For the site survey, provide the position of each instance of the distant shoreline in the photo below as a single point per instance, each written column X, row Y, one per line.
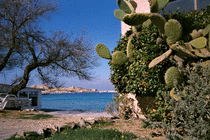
column 76, row 93
column 47, row 89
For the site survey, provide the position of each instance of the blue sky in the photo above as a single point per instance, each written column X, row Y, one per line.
column 96, row 16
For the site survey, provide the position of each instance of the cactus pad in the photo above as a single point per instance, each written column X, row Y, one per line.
column 130, row 48
column 136, row 18
column 173, row 31
column 126, row 6
column 172, row 75
column 159, row 21
column 199, row 43
column 204, row 53
column 134, row 4
column 103, row 51
column 119, row 58
column 154, row 6
column 159, row 59
column 195, row 34
column 159, row 41
column 173, row 95
column 205, row 63
column 119, row 14
column 147, row 23
column 206, row 30
column 162, row 4
column 183, row 50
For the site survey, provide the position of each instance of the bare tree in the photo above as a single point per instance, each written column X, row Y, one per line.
column 24, row 46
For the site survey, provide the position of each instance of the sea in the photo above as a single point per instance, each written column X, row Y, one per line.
column 96, row 102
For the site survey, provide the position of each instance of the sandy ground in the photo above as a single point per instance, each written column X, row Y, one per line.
column 10, row 125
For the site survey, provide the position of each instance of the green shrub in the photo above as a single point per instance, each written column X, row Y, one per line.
column 27, row 136
column 93, row 134
column 191, row 114
column 135, row 77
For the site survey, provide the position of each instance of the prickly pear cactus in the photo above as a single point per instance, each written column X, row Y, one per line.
column 136, row 18
column 173, row 95
column 119, row 58
column 199, row 43
column 159, row 21
column 172, row 75
column 125, row 5
column 173, row 31
column 119, row 14
column 103, row 51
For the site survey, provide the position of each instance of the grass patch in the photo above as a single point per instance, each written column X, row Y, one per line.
column 101, row 123
column 35, row 116
column 27, row 136
column 93, row 134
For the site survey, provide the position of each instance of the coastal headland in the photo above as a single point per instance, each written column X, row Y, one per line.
column 47, row 89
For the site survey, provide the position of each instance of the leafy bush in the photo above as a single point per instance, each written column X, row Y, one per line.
column 27, row 136
column 191, row 114
column 135, row 77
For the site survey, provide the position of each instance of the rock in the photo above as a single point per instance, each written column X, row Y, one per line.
column 49, row 132
column 27, row 110
column 33, row 109
column 88, row 126
column 59, row 128
column 82, row 123
column 40, row 131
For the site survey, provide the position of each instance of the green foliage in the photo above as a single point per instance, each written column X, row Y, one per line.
column 135, row 77
column 191, row 114
column 35, row 116
column 93, row 134
column 27, row 136
column 103, row 51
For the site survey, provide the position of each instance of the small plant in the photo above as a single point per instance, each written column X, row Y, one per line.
column 93, row 134
column 101, row 123
column 35, row 116
column 27, row 136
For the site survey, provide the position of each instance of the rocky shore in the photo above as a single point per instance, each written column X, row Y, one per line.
column 46, row 89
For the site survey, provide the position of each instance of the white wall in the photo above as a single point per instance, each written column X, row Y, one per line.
column 143, row 6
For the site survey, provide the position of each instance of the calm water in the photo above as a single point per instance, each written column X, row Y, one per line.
column 77, row 101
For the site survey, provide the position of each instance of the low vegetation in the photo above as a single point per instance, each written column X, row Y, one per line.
column 34, row 116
